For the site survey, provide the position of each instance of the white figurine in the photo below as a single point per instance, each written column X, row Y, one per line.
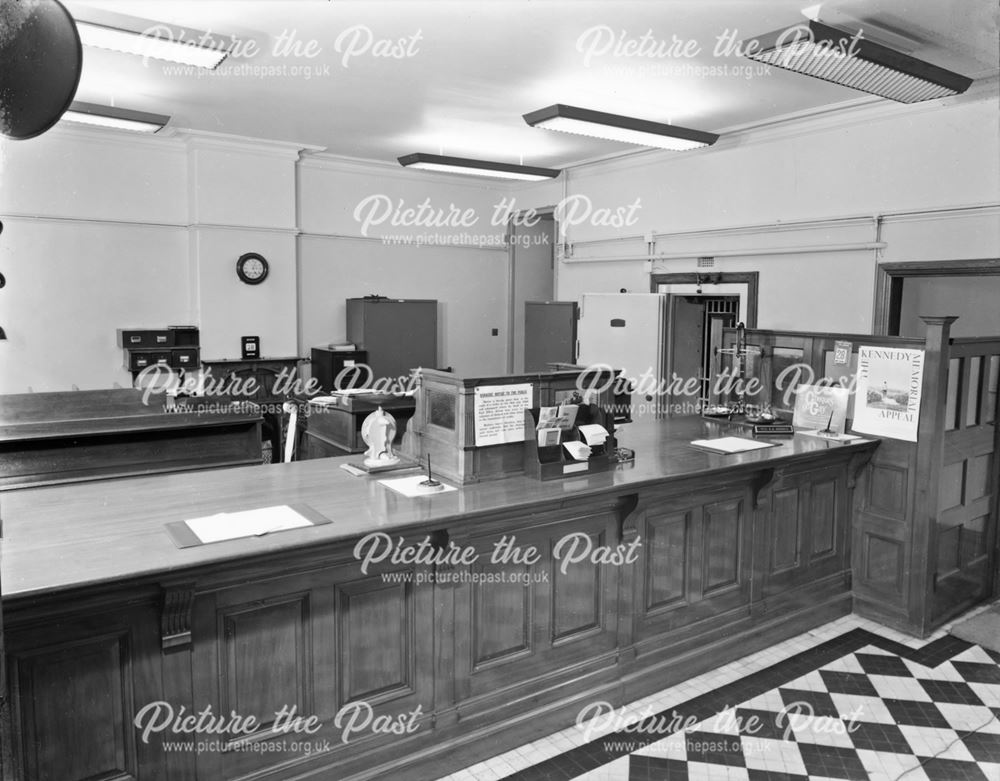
column 378, row 431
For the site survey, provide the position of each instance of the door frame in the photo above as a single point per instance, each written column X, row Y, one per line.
column 889, row 278
column 543, row 214
column 749, row 278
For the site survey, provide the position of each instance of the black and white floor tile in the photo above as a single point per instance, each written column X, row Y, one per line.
column 841, row 702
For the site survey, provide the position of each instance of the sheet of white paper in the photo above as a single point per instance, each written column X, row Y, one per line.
column 498, row 412
column 732, row 444
column 410, row 486
column 248, row 523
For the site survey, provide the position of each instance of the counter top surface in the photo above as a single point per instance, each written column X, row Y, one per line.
column 29, row 416
column 64, row 537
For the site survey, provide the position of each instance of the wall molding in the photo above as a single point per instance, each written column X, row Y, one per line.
column 57, row 218
column 387, row 242
column 197, row 140
column 867, row 225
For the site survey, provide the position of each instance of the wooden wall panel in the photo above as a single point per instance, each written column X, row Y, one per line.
column 883, row 563
column 667, row 564
column 73, row 710
column 887, row 491
column 824, row 513
column 576, row 596
column 722, row 549
column 376, row 635
column 502, row 616
column 265, row 658
column 786, row 535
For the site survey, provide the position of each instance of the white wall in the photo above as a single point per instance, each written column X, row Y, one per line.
column 464, row 267
column 975, row 300
column 738, row 195
column 241, row 198
column 93, row 240
column 105, row 230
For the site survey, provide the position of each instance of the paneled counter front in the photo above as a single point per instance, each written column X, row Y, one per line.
column 408, row 637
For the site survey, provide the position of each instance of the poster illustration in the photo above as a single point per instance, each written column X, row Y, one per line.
column 887, row 398
column 820, row 407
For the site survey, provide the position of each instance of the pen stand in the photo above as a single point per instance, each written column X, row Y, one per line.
column 548, row 462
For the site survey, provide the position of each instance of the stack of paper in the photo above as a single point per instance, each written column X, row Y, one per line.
column 593, row 434
column 578, row 450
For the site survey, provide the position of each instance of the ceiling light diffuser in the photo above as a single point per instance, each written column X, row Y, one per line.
column 187, row 47
column 834, row 55
column 463, row 165
column 629, row 130
column 114, row 117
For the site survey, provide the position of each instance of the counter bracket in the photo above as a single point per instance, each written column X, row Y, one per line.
column 175, row 620
column 760, row 481
column 856, row 465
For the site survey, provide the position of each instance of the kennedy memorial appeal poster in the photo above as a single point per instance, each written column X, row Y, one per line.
column 887, row 396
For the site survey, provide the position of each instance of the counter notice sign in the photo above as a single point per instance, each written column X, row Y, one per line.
column 499, row 413
column 887, row 398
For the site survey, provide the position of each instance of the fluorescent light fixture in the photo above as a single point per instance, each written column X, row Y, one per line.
column 159, row 41
column 845, row 58
column 629, row 130
column 463, row 165
column 111, row 116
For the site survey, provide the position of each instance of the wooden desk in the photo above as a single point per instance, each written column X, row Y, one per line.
column 335, row 429
column 86, row 435
column 732, row 553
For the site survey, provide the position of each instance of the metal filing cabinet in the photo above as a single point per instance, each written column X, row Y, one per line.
column 398, row 334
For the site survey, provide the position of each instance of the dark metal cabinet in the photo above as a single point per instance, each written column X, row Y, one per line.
column 397, row 334
column 549, row 334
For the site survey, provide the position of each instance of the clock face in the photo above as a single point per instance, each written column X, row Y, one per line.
column 252, row 268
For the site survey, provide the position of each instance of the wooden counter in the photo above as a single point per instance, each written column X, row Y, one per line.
column 105, row 615
column 86, row 435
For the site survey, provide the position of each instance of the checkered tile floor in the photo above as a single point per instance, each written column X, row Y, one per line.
column 870, row 714
column 857, row 706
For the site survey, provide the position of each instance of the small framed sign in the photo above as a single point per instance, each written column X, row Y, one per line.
column 250, row 346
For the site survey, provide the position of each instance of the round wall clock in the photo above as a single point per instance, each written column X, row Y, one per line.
column 252, row 268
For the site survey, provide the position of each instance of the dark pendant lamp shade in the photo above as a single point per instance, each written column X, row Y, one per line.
column 40, row 62
column 848, row 59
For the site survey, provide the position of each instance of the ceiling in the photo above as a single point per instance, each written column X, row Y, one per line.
column 469, row 70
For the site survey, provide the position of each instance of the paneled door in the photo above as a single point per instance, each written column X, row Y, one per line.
column 965, row 532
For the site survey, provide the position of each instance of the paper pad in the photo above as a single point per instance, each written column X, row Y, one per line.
column 246, row 523
column 729, row 445
column 410, row 486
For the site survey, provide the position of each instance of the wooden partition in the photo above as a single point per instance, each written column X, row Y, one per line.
column 924, row 541
column 443, row 425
